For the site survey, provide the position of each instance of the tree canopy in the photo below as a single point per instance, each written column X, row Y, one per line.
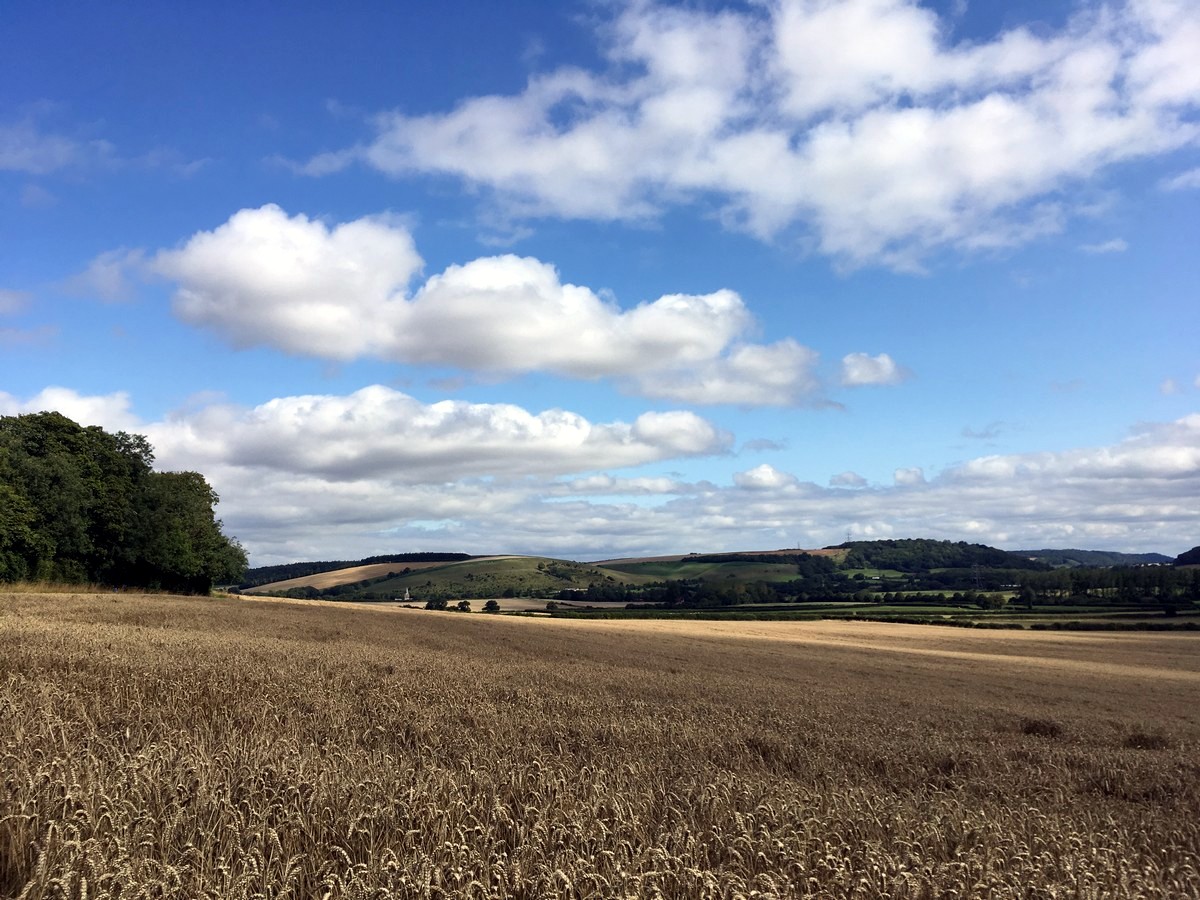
column 921, row 554
column 80, row 504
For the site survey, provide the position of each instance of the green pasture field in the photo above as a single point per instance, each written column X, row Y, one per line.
column 495, row 575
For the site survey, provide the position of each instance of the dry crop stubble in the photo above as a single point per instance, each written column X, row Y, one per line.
column 172, row 747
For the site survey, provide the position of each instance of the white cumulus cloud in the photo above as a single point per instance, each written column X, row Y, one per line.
column 375, row 471
column 113, row 412
column 345, row 291
column 268, row 278
column 859, row 122
column 859, row 369
column 381, row 432
column 763, row 478
column 906, row 477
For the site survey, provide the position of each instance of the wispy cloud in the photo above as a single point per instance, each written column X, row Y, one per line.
column 1116, row 245
column 26, row 147
column 848, row 479
column 110, row 276
column 34, row 196
column 1183, row 181
column 988, row 432
column 12, row 302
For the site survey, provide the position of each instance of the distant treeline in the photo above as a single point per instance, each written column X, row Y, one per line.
column 270, row 574
column 82, row 505
column 1161, row 587
column 922, row 554
column 807, row 564
column 1059, row 558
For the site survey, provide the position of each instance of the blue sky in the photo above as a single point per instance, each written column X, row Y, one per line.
column 597, row 279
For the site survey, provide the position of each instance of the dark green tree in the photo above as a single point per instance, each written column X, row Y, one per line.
column 81, row 504
column 182, row 546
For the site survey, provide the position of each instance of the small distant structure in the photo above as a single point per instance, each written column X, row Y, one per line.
column 407, row 597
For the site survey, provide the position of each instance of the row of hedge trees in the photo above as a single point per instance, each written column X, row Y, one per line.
column 83, row 505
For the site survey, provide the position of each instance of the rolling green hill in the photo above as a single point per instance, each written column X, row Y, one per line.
column 894, row 571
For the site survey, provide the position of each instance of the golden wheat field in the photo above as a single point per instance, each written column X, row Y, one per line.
column 155, row 746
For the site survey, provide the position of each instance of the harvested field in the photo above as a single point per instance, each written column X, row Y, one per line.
column 174, row 747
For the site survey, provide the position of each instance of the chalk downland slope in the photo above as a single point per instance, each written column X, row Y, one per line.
column 337, row 577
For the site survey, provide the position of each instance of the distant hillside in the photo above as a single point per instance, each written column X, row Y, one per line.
column 270, row 574
column 890, row 571
column 924, row 555
column 324, row 581
column 1099, row 558
column 1189, row 558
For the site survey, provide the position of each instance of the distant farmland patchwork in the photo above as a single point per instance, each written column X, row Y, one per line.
column 913, row 580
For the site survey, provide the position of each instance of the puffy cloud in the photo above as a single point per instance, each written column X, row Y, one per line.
column 907, row 477
column 857, row 121
column 110, row 411
column 859, row 369
column 1135, row 495
column 379, row 466
column 345, row 477
column 266, row 278
column 512, row 313
column 342, row 292
column 764, row 478
column 377, row 432
column 779, row 374
column 608, row 485
column 1169, row 386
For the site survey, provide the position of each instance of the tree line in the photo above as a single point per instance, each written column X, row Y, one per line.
column 923, row 554
column 78, row 504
